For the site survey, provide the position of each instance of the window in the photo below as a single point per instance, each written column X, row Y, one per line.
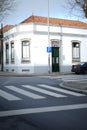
column 12, row 52
column 7, row 53
column 76, row 51
column 25, row 51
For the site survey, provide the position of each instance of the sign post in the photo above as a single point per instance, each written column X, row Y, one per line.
column 48, row 40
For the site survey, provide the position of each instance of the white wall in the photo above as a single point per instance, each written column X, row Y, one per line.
column 38, row 36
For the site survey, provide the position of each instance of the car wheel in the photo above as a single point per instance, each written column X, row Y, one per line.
column 77, row 72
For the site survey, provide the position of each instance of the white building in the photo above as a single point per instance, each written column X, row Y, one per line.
column 27, row 45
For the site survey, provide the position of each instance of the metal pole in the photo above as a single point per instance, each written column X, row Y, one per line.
column 1, row 47
column 48, row 40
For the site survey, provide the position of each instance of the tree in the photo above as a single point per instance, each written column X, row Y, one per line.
column 5, row 7
column 80, row 6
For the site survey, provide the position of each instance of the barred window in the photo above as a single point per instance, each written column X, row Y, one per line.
column 12, row 52
column 7, row 53
column 25, row 51
column 75, row 50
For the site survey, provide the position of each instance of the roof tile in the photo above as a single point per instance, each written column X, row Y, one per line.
column 6, row 28
column 55, row 21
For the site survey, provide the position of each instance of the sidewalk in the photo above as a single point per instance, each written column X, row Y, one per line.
column 31, row 74
column 77, row 86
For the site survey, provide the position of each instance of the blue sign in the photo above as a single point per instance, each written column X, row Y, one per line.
column 49, row 49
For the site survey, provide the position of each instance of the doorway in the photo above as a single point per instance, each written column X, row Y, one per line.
column 55, row 59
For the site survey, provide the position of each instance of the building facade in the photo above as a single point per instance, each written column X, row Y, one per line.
column 28, row 47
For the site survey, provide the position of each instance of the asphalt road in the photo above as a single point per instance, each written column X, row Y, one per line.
column 38, row 103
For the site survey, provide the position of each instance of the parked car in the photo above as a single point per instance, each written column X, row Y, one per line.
column 80, row 68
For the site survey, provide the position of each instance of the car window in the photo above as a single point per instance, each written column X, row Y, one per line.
column 82, row 63
column 85, row 65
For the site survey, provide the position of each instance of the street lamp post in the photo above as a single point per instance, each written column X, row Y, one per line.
column 48, row 39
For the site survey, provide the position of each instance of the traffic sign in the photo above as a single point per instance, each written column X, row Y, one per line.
column 49, row 49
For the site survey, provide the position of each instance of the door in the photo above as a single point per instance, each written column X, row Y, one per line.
column 55, row 59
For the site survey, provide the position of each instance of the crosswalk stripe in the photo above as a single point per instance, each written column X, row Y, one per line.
column 8, row 96
column 43, row 91
column 24, row 92
column 61, row 90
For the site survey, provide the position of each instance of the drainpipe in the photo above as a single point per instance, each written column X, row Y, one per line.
column 61, row 49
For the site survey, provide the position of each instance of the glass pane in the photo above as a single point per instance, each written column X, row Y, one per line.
column 7, row 53
column 25, row 50
column 76, row 52
column 12, row 51
column 57, row 60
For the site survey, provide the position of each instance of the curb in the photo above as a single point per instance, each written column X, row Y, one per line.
column 72, row 89
column 32, row 74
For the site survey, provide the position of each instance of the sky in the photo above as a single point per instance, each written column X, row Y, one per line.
column 25, row 8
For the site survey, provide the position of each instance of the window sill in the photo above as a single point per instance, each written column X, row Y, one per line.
column 25, row 61
column 12, row 62
column 76, row 60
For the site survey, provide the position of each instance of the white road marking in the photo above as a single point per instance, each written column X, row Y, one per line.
column 23, row 92
column 42, row 110
column 61, row 90
column 8, row 96
column 43, row 91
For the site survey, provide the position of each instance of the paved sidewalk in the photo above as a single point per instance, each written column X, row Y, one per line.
column 78, row 86
column 31, row 74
